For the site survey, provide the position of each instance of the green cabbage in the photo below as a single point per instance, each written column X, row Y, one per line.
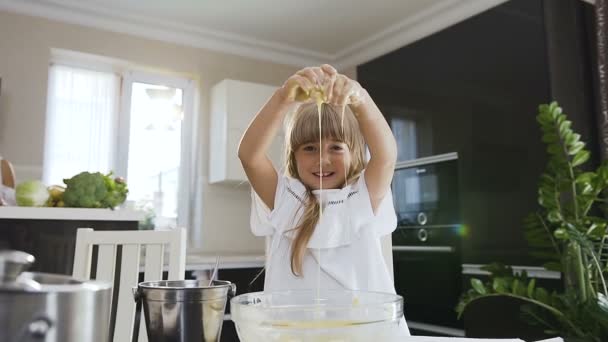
column 31, row 194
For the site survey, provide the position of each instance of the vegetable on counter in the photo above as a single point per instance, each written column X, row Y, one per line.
column 31, row 194
column 55, row 196
column 84, row 190
column 94, row 190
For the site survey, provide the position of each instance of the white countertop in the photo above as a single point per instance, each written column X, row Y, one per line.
column 82, row 214
column 196, row 261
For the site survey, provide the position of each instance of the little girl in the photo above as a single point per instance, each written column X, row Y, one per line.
column 329, row 237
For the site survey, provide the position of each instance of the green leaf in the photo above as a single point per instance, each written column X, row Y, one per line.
column 478, row 286
column 581, row 157
column 561, row 234
column 554, row 149
column 555, row 110
column 523, row 275
column 541, row 295
column 554, row 216
column 522, row 288
column 596, row 231
column 584, row 189
column 554, row 107
column 575, row 148
column 585, row 177
column 572, row 139
column 602, row 302
column 542, row 120
column 500, row 285
column 531, row 285
column 564, row 127
column 568, row 137
column 515, row 286
column 550, row 138
column 602, row 171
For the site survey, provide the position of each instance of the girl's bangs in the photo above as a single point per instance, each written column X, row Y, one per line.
column 306, row 125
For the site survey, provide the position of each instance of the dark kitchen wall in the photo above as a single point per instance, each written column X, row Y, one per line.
column 474, row 88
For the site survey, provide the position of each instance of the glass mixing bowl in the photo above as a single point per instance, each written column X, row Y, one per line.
column 319, row 316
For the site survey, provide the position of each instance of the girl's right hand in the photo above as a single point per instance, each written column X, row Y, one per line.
column 298, row 87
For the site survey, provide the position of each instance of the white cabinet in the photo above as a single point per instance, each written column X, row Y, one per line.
column 233, row 105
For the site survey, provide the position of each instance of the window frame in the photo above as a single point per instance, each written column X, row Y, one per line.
column 129, row 73
column 124, row 118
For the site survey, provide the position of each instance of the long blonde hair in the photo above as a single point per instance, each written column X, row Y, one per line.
column 303, row 128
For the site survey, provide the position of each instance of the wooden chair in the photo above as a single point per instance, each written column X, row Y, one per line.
column 155, row 242
column 8, row 173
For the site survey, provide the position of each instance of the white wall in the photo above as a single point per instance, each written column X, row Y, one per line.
column 25, row 44
column 25, row 47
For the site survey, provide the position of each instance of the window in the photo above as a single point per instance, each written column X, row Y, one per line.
column 131, row 123
column 81, row 123
column 154, row 144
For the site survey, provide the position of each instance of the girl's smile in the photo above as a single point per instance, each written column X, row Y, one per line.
column 326, row 169
column 324, row 174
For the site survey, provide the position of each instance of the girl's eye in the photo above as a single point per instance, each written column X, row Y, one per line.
column 308, row 148
column 337, row 147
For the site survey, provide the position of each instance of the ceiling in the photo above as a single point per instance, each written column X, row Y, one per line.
column 343, row 32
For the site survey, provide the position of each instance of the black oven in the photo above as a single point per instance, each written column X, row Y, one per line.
column 425, row 191
column 427, row 261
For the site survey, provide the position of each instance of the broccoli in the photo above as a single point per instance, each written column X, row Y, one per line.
column 94, row 190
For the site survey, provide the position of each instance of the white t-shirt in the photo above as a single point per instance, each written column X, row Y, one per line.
column 346, row 239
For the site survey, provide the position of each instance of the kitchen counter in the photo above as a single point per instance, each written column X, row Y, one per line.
column 85, row 214
column 532, row 271
column 50, row 233
column 239, row 268
column 201, row 261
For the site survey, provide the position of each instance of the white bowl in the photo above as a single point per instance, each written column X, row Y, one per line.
column 310, row 315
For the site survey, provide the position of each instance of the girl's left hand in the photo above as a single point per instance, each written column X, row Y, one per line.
column 341, row 90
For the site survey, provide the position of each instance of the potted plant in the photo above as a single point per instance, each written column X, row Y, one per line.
column 569, row 231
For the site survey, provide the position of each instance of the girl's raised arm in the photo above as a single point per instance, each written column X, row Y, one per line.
column 382, row 147
column 258, row 136
column 376, row 132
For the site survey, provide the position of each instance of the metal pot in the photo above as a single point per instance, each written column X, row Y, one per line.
column 184, row 310
column 49, row 307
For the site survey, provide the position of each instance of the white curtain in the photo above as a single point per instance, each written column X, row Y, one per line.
column 81, row 122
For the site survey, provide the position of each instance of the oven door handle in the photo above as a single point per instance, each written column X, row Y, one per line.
column 438, row 249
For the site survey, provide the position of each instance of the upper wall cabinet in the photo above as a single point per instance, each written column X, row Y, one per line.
column 233, row 105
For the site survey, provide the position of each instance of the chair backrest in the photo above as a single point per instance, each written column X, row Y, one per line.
column 7, row 174
column 155, row 242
